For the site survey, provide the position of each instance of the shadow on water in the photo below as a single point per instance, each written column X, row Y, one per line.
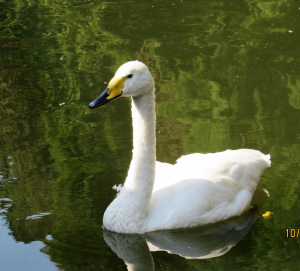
column 195, row 243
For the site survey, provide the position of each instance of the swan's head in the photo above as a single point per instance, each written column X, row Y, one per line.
column 131, row 79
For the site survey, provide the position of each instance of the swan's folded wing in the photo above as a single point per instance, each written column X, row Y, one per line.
column 204, row 188
column 194, row 202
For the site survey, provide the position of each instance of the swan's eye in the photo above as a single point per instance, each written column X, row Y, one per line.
column 129, row 75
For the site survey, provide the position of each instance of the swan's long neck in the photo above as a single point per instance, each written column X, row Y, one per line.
column 127, row 213
column 142, row 168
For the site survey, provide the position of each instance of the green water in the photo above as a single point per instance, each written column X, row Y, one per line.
column 227, row 77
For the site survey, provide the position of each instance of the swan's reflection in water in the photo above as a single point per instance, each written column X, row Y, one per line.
column 204, row 242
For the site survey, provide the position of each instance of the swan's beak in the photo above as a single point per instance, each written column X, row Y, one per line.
column 113, row 91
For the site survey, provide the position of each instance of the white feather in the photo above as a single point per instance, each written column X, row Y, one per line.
column 199, row 189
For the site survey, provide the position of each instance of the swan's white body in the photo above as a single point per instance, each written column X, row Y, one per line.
column 199, row 189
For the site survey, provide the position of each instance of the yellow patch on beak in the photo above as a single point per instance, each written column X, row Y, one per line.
column 115, row 87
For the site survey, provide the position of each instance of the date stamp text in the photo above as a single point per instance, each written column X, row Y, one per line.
column 292, row 233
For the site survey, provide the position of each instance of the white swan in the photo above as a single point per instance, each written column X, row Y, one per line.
column 199, row 189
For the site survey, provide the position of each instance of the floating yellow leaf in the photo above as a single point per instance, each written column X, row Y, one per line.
column 267, row 214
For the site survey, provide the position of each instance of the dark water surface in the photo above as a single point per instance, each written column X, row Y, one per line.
column 227, row 76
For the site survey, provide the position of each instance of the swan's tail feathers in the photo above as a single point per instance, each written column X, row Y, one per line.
column 265, row 157
column 268, row 159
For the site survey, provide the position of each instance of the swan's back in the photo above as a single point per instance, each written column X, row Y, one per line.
column 204, row 188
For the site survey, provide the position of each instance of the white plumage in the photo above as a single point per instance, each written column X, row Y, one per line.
column 199, row 189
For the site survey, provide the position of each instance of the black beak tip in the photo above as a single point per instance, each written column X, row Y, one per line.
column 92, row 105
column 101, row 100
